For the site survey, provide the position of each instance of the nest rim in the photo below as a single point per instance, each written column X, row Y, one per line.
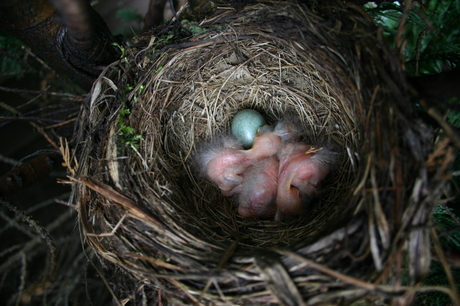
column 260, row 269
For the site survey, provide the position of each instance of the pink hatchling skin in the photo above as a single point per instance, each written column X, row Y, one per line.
column 225, row 165
column 258, row 190
column 302, row 169
column 277, row 177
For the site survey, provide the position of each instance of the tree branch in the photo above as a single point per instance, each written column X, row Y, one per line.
column 75, row 15
column 78, row 49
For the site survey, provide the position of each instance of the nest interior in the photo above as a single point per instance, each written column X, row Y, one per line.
column 144, row 206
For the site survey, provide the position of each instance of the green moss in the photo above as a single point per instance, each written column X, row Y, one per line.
column 127, row 136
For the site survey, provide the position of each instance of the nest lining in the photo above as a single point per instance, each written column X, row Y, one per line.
column 170, row 227
column 194, row 105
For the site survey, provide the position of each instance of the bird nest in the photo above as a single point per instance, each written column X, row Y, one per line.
column 144, row 207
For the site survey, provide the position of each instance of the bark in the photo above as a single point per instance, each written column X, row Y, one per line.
column 155, row 13
column 154, row 16
column 77, row 47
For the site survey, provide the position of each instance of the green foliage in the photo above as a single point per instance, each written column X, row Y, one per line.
column 131, row 19
column 122, row 50
column 10, row 61
column 449, row 235
column 448, row 226
column 432, row 37
column 127, row 136
column 193, row 27
column 128, row 15
column 453, row 117
column 432, row 33
column 437, row 277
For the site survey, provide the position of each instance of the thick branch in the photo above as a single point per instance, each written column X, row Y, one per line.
column 154, row 16
column 78, row 50
column 87, row 42
column 75, row 16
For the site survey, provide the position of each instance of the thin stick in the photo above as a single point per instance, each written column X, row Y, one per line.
column 334, row 274
column 434, row 113
column 41, row 92
column 445, row 265
column 112, row 232
column 371, row 287
column 40, row 287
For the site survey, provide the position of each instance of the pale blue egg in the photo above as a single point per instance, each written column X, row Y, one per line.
column 245, row 126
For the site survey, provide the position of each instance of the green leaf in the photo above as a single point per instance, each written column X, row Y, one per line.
column 124, row 112
column 128, row 15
